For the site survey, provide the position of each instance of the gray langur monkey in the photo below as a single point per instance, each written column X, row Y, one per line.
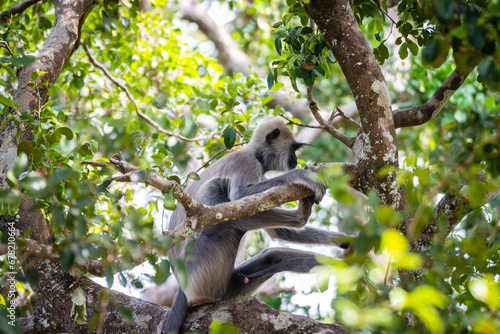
column 211, row 274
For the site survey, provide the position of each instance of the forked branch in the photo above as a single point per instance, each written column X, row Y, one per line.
column 423, row 113
column 313, row 106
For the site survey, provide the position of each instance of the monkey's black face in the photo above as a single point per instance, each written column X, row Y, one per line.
column 292, row 156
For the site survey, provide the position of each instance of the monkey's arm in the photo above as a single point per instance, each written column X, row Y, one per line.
column 296, row 176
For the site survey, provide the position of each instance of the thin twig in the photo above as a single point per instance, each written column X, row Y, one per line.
column 217, row 154
column 130, row 97
column 300, row 124
column 347, row 118
column 385, row 13
column 313, row 106
column 5, row 44
column 390, row 18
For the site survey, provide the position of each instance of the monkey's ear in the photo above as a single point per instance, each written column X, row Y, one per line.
column 272, row 136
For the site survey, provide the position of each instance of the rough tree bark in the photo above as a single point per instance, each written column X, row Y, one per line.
column 377, row 138
column 376, row 145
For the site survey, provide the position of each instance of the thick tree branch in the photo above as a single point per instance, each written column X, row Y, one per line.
column 51, row 59
column 250, row 315
column 421, row 114
column 200, row 215
column 17, row 9
column 348, row 168
column 376, row 143
column 450, row 210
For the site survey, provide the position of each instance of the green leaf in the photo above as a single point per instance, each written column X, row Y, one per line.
column 85, row 149
column 27, row 233
column 318, row 71
column 169, row 202
column 32, row 276
column 62, row 174
column 137, row 284
column 486, row 67
column 309, row 81
column 21, row 163
column 306, row 31
column 174, row 178
column 79, row 297
column 286, row 19
column 302, row 72
column 193, row 176
column 11, row 179
column 125, row 22
column 434, row 54
column 413, row 48
column 162, row 272
column 278, row 45
column 18, row 61
column 430, row 51
column 229, row 137
column 127, row 313
column 213, row 104
column 103, row 186
column 67, row 258
column 11, row 72
column 220, row 328
column 267, row 99
column 443, row 8
column 403, row 51
column 489, row 103
column 66, row 132
column 270, row 80
column 8, row 102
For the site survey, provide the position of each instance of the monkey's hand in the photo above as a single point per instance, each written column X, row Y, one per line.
column 304, row 178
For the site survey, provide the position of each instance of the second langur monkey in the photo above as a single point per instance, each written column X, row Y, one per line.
column 211, row 275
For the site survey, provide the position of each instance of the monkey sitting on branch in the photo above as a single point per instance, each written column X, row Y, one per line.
column 207, row 257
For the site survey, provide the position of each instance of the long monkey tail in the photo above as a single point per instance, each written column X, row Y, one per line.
column 177, row 313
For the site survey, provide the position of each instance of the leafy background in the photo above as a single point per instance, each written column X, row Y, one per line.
column 174, row 77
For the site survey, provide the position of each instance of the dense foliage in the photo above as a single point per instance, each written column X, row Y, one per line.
column 156, row 64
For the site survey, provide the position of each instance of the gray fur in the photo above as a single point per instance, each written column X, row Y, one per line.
column 210, row 264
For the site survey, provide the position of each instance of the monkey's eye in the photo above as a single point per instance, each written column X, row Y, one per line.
column 296, row 146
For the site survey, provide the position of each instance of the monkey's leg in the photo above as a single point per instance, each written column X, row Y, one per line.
column 270, row 261
column 278, row 217
column 311, row 235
